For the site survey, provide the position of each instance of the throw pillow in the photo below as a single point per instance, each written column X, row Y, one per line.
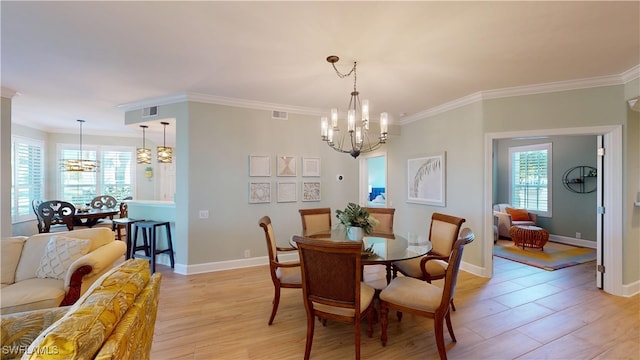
column 518, row 214
column 58, row 256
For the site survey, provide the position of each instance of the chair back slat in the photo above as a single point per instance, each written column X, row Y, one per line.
column 443, row 232
column 385, row 219
column 315, row 221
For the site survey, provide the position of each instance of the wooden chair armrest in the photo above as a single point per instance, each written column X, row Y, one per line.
column 423, row 264
column 277, row 264
column 286, row 249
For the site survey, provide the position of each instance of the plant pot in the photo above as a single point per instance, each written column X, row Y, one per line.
column 355, row 233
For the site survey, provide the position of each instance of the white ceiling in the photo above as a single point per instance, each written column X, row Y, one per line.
column 81, row 60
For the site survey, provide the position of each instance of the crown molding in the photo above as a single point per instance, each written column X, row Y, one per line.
column 451, row 105
column 156, row 101
column 8, row 93
column 631, row 74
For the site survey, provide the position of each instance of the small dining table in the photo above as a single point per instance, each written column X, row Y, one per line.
column 91, row 217
column 386, row 248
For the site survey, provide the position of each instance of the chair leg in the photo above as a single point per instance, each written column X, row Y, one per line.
column 310, row 328
column 384, row 322
column 371, row 319
column 357, row 338
column 439, row 331
column 450, row 327
column 453, row 307
column 276, row 302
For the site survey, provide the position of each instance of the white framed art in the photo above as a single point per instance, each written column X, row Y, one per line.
column 311, row 191
column 310, row 166
column 287, row 165
column 259, row 165
column 287, row 191
column 259, row 192
column 426, row 180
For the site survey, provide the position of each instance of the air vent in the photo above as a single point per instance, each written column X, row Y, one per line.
column 282, row 115
column 150, row 111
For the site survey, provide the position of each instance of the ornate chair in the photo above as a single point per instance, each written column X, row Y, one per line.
column 385, row 219
column 283, row 275
column 332, row 285
column 442, row 234
column 104, row 201
column 55, row 212
column 315, row 221
column 407, row 294
column 34, row 205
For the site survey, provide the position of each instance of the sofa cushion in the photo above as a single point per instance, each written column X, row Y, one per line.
column 60, row 253
column 91, row 320
column 32, row 294
column 518, row 214
column 20, row 329
column 35, row 245
column 10, row 251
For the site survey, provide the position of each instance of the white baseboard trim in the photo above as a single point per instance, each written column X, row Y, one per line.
column 573, row 241
column 225, row 265
column 631, row 289
column 475, row 269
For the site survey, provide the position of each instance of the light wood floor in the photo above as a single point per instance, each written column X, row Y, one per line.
column 522, row 313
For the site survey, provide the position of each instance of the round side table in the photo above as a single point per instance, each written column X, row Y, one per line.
column 529, row 236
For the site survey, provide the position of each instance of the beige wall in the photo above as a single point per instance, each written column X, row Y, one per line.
column 5, row 165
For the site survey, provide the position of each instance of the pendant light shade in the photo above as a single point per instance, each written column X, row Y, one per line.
column 80, row 164
column 165, row 153
column 143, row 154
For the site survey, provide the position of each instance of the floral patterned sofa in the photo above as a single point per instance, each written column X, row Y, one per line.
column 114, row 319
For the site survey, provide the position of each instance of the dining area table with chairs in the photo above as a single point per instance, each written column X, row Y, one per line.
column 63, row 215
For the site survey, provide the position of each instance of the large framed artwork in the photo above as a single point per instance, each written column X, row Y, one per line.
column 310, row 166
column 287, row 165
column 426, row 180
column 259, row 165
column 311, row 191
column 259, row 192
column 287, row 191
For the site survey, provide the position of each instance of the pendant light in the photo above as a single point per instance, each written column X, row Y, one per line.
column 165, row 153
column 143, row 154
column 80, row 165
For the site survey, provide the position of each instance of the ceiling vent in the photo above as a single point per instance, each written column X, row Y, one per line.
column 282, row 115
column 150, row 111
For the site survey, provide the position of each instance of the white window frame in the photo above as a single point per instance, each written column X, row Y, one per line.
column 527, row 148
column 16, row 139
column 99, row 149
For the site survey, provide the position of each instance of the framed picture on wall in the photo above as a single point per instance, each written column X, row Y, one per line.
column 426, row 180
column 259, row 192
column 287, row 191
column 259, row 165
column 311, row 191
column 310, row 166
column 287, row 165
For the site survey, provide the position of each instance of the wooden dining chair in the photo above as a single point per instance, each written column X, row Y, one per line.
column 283, row 275
column 332, row 285
column 414, row 296
column 104, row 201
column 385, row 219
column 315, row 221
column 55, row 212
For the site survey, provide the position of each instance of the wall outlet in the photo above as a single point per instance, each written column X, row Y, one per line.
column 204, row 214
column 578, row 235
column 247, row 253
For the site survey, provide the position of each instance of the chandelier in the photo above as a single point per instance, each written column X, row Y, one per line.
column 357, row 141
column 143, row 154
column 165, row 153
column 80, row 164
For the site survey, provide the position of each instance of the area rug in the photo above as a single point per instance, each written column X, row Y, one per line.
column 555, row 256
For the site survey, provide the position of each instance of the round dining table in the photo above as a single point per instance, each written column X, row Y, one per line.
column 384, row 248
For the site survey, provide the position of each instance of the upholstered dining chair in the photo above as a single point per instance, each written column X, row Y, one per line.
column 414, row 296
column 385, row 219
column 332, row 285
column 443, row 232
column 315, row 221
column 283, row 275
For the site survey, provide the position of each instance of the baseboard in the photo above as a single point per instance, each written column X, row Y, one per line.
column 225, row 265
column 631, row 289
column 573, row 241
column 475, row 269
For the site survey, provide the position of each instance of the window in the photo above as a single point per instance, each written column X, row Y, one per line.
column 530, row 171
column 115, row 175
column 27, row 180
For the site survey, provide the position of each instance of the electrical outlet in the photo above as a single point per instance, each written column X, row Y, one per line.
column 578, row 235
column 204, row 214
column 247, row 253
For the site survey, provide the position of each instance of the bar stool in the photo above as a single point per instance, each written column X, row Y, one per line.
column 117, row 223
column 149, row 237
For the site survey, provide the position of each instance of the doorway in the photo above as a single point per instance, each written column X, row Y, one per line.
column 373, row 180
column 609, row 231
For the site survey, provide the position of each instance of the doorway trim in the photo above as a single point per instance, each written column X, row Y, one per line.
column 611, row 192
column 363, row 187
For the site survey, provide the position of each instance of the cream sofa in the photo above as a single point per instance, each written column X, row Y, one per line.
column 114, row 319
column 54, row 269
column 505, row 221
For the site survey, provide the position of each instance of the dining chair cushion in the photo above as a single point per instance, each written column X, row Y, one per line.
column 435, row 268
column 60, row 253
column 412, row 293
column 366, row 297
column 318, row 223
column 289, row 275
column 443, row 230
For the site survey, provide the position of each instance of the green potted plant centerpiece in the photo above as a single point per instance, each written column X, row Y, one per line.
column 357, row 221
